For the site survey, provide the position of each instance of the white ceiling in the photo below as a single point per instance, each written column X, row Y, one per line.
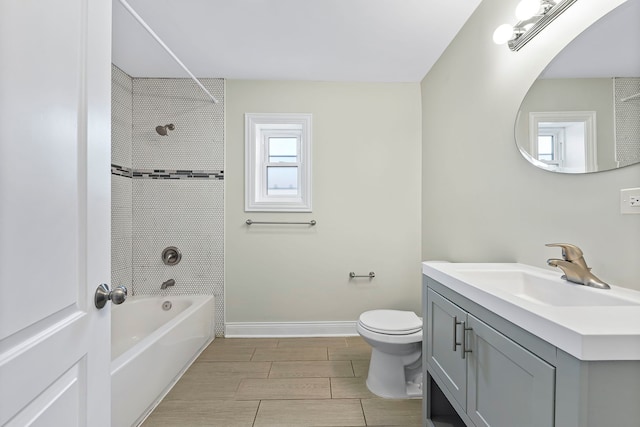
column 321, row 40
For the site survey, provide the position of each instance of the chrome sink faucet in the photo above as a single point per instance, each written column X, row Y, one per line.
column 575, row 267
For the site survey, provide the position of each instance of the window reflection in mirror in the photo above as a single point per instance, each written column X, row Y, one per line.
column 599, row 73
column 564, row 141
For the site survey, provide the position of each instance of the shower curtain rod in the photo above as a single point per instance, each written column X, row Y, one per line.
column 629, row 98
column 165, row 47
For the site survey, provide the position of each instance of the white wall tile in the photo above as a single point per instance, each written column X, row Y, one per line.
column 196, row 142
column 151, row 214
column 121, row 117
column 187, row 214
column 627, row 123
column 121, row 223
column 121, row 215
column 122, row 277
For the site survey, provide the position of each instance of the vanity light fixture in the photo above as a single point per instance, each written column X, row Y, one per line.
column 533, row 16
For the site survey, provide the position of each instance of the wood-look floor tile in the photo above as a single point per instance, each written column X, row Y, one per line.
column 226, row 353
column 360, row 368
column 309, row 413
column 356, row 341
column 205, row 389
column 300, row 382
column 350, row 353
column 313, row 342
column 197, row 413
column 350, row 388
column 289, row 354
column 393, row 412
column 311, row 369
column 284, row 388
column 245, row 342
column 226, row 368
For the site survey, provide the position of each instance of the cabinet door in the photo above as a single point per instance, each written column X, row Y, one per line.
column 507, row 385
column 444, row 358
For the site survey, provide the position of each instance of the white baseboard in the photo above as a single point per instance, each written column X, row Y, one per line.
column 289, row 329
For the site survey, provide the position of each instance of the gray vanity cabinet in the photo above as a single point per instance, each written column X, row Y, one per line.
column 493, row 381
column 506, row 384
column 443, row 321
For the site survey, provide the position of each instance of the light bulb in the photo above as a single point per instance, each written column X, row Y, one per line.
column 503, row 34
column 526, row 9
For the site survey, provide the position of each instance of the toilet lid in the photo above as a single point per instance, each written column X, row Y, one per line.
column 391, row 322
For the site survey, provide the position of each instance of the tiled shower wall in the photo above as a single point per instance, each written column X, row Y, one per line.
column 627, row 123
column 176, row 186
column 121, row 182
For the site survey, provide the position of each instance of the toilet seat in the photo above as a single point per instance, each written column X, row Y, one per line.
column 390, row 322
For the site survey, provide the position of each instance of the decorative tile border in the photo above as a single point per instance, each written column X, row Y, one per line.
column 165, row 173
column 121, row 171
column 176, row 174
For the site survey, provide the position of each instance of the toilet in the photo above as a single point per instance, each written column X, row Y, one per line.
column 395, row 338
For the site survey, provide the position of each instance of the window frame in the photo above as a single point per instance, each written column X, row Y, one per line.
column 259, row 127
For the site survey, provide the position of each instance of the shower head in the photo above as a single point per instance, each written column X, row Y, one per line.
column 163, row 130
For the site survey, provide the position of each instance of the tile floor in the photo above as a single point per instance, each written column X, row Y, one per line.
column 266, row 382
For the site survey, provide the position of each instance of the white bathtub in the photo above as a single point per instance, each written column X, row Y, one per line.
column 151, row 348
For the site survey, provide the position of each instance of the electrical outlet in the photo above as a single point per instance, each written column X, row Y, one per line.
column 630, row 201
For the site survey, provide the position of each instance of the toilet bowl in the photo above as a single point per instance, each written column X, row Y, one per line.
column 395, row 338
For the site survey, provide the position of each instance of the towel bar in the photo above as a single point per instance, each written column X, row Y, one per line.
column 251, row 222
column 371, row 275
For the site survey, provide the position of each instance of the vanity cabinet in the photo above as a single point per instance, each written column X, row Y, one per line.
column 444, row 354
column 510, row 377
column 494, row 381
column 511, row 345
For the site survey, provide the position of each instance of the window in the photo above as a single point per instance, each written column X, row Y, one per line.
column 278, row 162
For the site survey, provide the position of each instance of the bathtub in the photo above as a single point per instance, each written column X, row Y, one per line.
column 152, row 347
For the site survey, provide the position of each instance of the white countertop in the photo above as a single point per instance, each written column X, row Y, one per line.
column 587, row 332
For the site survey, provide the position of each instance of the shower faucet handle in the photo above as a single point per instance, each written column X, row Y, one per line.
column 171, row 255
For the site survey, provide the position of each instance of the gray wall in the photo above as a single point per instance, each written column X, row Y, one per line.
column 481, row 200
column 366, row 200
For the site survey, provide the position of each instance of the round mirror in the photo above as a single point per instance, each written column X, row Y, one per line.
column 582, row 114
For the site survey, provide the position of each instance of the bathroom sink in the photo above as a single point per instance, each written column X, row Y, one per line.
column 585, row 322
column 540, row 288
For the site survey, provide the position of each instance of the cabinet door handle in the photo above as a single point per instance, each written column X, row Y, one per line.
column 464, row 340
column 455, row 334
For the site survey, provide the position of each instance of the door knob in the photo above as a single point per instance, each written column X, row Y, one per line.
column 103, row 294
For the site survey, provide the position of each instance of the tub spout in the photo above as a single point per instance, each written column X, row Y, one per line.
column 168, row 283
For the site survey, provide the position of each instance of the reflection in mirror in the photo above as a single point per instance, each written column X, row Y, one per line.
column 583, row 112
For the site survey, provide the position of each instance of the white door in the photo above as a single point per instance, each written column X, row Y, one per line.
column 54, row 212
